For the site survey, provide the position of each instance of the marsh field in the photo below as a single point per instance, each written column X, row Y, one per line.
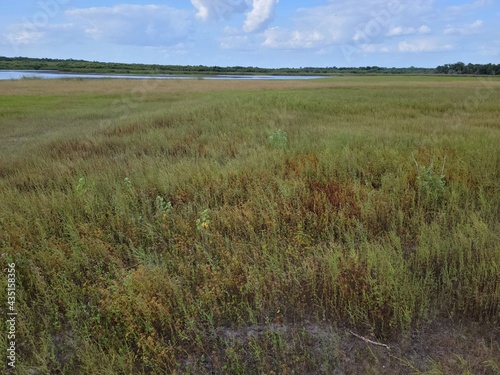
column 252, row 227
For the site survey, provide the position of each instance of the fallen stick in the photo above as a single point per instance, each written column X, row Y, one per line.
column 370, row 341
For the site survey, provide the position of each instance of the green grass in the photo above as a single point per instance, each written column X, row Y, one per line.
column 199, row 229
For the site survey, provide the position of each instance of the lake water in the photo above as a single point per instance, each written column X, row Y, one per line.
column 48, row 74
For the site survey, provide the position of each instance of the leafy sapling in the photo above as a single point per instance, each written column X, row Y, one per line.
column 431, row 185
column 163, row 208
column 278, row 139
column 203, row 222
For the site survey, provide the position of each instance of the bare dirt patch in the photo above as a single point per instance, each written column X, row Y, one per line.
column 441, row 347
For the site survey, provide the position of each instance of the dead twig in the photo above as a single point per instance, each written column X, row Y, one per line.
column 132, row 266
column 370, row 341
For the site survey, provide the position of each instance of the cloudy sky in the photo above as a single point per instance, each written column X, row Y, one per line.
column 265, row 33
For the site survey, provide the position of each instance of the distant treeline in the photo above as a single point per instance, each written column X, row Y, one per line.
column 461, row 68
column 82, row 66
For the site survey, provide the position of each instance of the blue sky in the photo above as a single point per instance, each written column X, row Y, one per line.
column 265, row 33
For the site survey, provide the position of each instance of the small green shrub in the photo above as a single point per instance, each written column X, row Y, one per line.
column 278, row 139
column 203, row 222
column 431, row 185
column 127, row 183
column 163, row 208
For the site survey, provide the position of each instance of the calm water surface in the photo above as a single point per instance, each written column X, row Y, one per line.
column 46, row 74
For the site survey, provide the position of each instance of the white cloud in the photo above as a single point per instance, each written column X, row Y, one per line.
column 476, row 24
column 374, row 48
column 476, row 4
column 234, row 42
column 23, row 34
column 353, row 22
column 317, row 27
column 469, row 29
column 424, row 29
column 27, row 35
column 400, row 30
column 490, row 49
column 292, row 39
column 210, row 10
column 145, row 25
column 424, row 45
column 261, row 14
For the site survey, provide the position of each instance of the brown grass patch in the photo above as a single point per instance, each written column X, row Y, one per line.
column 136, row 87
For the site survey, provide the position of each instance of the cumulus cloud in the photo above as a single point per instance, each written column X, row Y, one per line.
column 292, row 39
column 424, row 29
column 23, row 34
column 400, row 30
column 468, row 29
column 424, row 45
column 261, row 14
column 27, row 34
column 343, row 22
column 234, row 42
column 145, row 25
column 374, row 48
column 476, row 4
column 316, row 27
column 210, row 10
column 490, row 49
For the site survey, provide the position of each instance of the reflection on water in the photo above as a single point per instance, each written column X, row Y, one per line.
column 46, row 74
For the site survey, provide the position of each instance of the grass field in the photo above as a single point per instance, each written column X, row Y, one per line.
column 252, row 227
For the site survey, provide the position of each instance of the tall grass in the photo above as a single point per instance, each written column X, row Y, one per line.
column 167, row 239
